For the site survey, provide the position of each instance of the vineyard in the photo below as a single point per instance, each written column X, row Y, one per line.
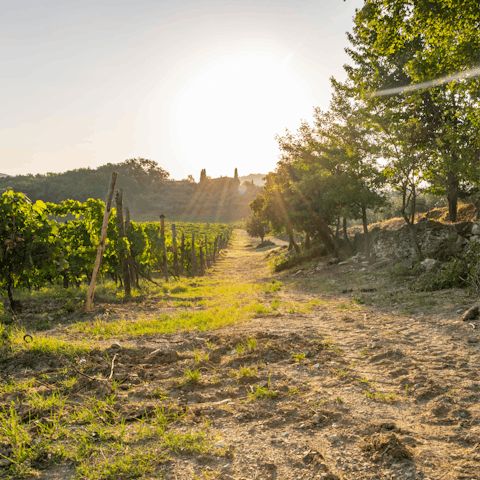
column 46, row 244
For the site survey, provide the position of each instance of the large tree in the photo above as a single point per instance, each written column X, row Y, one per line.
column 397, row 44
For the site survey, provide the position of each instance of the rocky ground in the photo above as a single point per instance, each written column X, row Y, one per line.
column 354, row 377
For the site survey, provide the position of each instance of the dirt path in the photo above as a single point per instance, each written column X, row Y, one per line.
column 317, row 386
column 376, row 396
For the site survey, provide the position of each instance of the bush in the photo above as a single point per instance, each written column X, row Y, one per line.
column 460, row 272
column 289, row 260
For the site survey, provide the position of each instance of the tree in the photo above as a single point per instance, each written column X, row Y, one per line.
column 399, row 43
column 256, row 228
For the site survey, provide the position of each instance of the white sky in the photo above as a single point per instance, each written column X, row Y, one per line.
column 189, row 84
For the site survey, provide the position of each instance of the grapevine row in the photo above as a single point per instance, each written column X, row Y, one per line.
column 45, row 243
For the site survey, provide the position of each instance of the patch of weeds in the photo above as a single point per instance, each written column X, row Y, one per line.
column 339, row 400
column 272, row 287
column 240, row 348
column 298, row 356
column 17, row 435
column 331, row 346
column 190, row 376
column 275, row 304
column 459, row 273
column 117, row 461
column 248, row 371
column 159, row 393
column 200, row 356
column 69, row 306
column 365, row 351
column 262, row 392
column 179, row 289
column 368, row 382
column 388, row 398
column 252, row 343
column 293, row 391
column 20, row 386
column 258, row 309
column 341, row 372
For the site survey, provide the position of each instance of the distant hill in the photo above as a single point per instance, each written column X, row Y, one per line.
column 3, row 175
column 148, row 191
column 256, row 177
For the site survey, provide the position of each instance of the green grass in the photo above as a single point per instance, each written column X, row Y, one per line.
column 298, row 356
column 11, row 342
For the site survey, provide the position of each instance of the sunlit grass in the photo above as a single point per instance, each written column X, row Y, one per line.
column 12, row 341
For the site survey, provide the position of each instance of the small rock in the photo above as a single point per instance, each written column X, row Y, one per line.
column 317, row 365
column 473, row 340
column 429, row 263
column 5, row 462
column 334, row 438
column 330, row 476
column 233, row 352
column 476, row 229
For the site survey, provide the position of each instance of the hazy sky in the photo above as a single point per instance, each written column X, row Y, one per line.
column 189, row 84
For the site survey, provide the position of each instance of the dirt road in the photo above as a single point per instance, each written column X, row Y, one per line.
column 318, row 385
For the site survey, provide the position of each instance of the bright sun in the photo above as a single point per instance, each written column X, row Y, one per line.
column 238, row 101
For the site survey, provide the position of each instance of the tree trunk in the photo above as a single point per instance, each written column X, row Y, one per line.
column 452, row 196
column 337, row 229
column 292, row 243
column 345, row 235
column 307, row 241
column 365, row 232
column 326, row 236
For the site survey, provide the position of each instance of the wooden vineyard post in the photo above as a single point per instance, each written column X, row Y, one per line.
column 182, row 253
column 131, row 258
column 215, row 246
column 194, row 256
column 101, row 245
column 123, row 254
column 163, row 246
column 175, row 253
column 207, row 258
column 202, row 261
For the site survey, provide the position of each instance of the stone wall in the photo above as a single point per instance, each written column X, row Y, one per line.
column 437, row 240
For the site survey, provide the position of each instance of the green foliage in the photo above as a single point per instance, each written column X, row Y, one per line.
column 453, row 275
column 38, row 246
column 256, row 228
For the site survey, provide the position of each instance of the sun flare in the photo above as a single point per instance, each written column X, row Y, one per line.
column 232, row 101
